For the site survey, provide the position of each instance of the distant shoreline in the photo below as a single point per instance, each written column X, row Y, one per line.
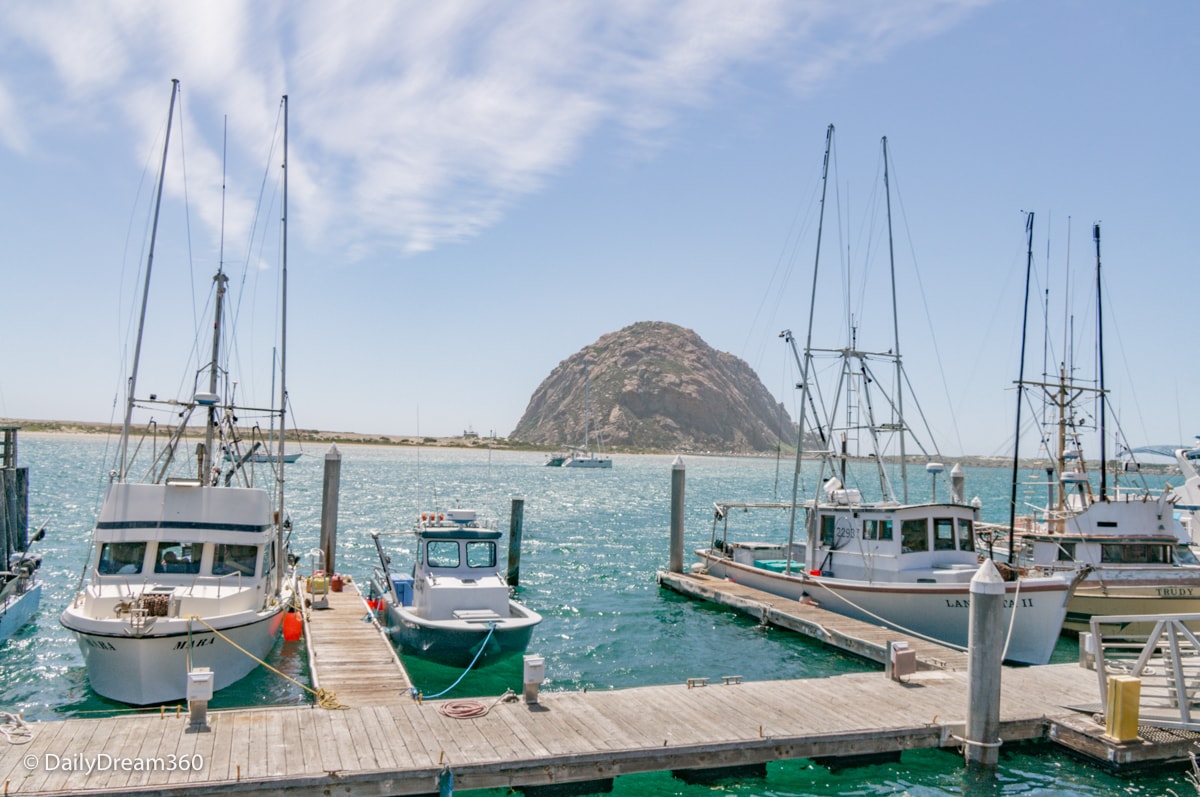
column 312, row 436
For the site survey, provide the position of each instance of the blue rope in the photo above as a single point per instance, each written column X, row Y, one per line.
column 482, row 647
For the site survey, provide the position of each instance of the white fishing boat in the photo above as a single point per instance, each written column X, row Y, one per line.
column 1128, row 537
column 583, row 456
column 454, row 605
column 188, row 559
column 903, row 563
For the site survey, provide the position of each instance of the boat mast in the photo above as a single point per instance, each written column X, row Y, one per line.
column 1012, row 504
column 210, row 427
column 208, row 460
column 137, row 350
column 587, row 411
column 1100, row 348
column 895, row 327
column 282, row 364
column 804, row 387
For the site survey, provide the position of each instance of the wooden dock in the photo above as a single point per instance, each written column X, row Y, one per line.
column 380, row 741
column 854, row 636
column 377, row 749
column 350, row 655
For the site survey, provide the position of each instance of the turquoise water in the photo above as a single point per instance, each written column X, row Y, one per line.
column 593, row 541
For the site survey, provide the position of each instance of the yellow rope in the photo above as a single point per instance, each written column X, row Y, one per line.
column 325, row 698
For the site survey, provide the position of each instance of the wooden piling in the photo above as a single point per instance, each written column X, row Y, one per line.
column 678, row 480
column 516, row 519
column 329, row 507
column 985, row 654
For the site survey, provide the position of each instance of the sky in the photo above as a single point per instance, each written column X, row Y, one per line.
column 477, row 190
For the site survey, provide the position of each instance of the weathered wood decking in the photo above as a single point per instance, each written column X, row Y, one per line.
column 351, row 656
column 855, row 636
column 383, row 742
column 568, row 736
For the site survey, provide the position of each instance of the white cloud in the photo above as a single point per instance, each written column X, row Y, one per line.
column 415, row 124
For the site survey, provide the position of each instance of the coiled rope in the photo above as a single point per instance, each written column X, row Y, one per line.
column 468, row 709
column 325, row 698
column 20, row 732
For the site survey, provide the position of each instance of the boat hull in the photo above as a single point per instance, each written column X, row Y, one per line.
column 1101, row 595
column 19, row 610
column 572, row 462
column 458, row 641
column 938, row 611
column 153, row 668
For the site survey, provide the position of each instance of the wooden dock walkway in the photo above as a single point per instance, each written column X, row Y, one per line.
column 855, row 636
column 374, row 748
column 383, row 742
column 350, row 655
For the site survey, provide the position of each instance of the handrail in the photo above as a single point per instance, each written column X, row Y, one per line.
column 218, row 579
column 1163, row 650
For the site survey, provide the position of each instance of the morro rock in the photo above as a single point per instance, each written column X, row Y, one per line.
column 654, row 385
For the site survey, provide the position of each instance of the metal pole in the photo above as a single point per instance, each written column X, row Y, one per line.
column 329, row 507
column 515, row 522
column 678, row 480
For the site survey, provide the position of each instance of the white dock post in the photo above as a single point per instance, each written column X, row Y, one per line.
column 985, row 651
column 958, row 485
column 678, row 479
column 329, row 507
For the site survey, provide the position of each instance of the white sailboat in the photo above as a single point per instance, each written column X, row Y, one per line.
column 901, row 563
column 187, row 566
column 583, row 456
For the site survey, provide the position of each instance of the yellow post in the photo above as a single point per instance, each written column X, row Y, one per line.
column 1121, row 718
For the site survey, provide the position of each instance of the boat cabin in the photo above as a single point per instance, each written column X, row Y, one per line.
column 1126, row 531
column 202, row 549
column 456, row 573
column 921, row 542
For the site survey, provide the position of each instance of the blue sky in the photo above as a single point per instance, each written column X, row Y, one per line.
column 480, row 189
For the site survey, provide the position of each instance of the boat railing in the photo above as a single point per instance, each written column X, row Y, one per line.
column 201, row 581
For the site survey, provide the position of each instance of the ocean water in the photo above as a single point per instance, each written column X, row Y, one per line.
column 593, row 541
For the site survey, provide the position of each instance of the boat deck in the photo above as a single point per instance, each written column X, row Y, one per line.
column 854, row 636
column 350, row 655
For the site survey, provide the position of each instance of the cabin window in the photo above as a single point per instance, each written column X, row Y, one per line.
column 234, row 559
column 1133, row 554
column 966, row 534
column 914, row 535
column 943, row 534
column 481, row 554
column 443, row 553
column 176, row 557
column 121, row 558
column 828, row 523
column 1066, row 552
column 1184, row 556
column 877, row 529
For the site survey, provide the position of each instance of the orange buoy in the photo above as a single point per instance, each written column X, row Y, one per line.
column 293, row 626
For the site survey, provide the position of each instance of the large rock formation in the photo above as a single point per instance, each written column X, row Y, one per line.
column 654, row 385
